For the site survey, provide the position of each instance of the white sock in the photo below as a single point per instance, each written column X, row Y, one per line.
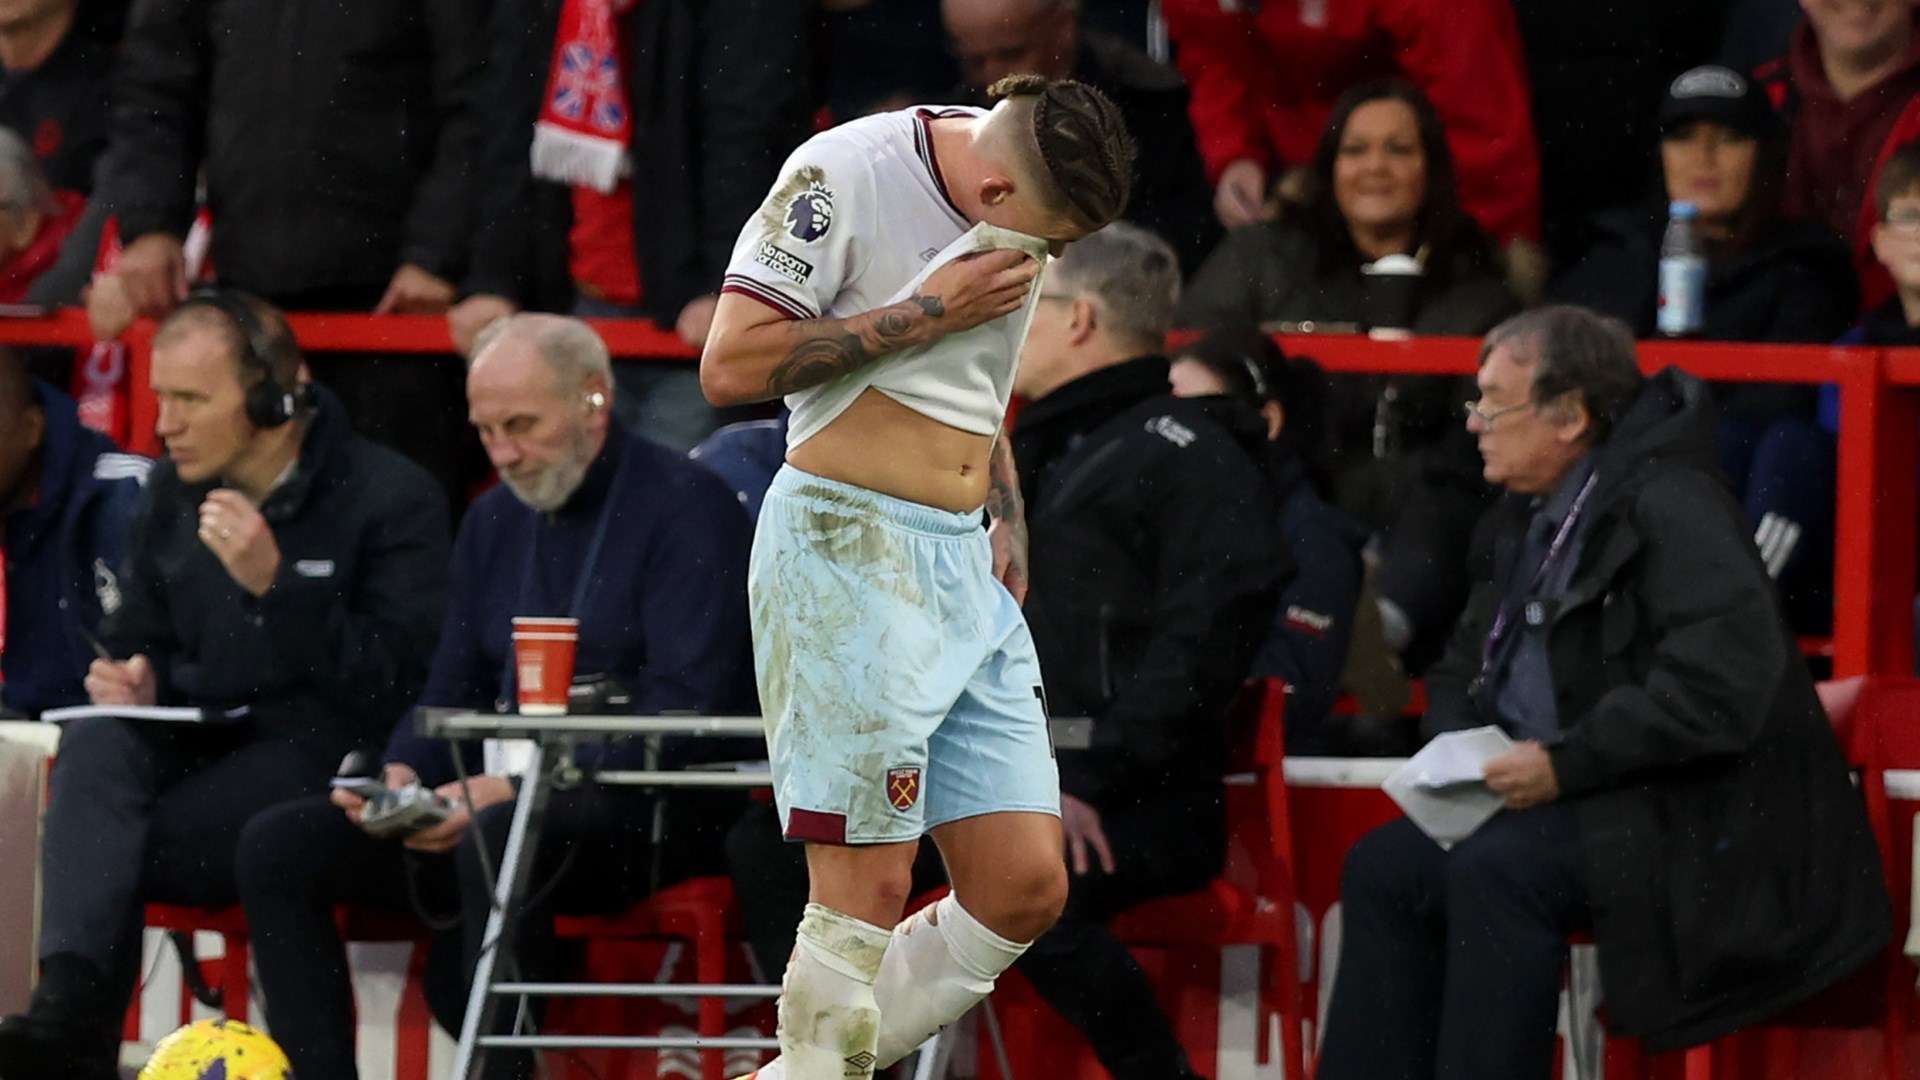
column 940, row 963
column 829, row 1022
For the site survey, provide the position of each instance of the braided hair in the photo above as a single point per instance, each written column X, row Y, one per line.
column 1083, row 144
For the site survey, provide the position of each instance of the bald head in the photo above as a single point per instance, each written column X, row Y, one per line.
column 569, row 347
column 995, row 38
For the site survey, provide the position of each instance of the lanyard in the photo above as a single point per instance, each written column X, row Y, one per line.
column 580, row 585
column 1503, row 621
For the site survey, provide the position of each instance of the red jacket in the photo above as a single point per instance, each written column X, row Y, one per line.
column 1837, row 148
column 1264, row 81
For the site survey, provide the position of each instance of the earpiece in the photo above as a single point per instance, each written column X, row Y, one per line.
column 596, row 401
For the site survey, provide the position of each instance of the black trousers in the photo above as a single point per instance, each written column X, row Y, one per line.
column 300, row 859
column 150, row 812
column 1160, row 847
column 1451, row 961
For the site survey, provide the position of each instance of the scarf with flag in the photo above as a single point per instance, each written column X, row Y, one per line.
column 585, row 125
column 102, row 384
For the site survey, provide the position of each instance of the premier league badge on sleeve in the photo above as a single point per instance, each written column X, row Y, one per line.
column 810, row 214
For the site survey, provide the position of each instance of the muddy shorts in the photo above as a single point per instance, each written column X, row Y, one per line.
column 897, row 677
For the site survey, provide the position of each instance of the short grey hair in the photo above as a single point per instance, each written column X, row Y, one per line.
column 1131, row 272
column 569, row 346
column 1574, row 350
column 23, row 183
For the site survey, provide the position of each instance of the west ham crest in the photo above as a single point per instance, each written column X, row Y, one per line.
column 810, row 214
column 903, row 787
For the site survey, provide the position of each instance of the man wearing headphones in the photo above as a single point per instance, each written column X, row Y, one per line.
column 285, row 577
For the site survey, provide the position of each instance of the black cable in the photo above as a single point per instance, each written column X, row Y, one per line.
column 523, row 1014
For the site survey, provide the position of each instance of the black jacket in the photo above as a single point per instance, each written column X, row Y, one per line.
column 1795, row 285
column 1156, row 562
column 337, row 648
column 1313, row 623
column 1269, row 273
column 60, row 108
column 1729, row 864
column 62, row 553
column 719, row 91
column 339, row 139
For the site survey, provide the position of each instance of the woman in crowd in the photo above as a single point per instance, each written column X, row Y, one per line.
column 1254, row 383
column 1381, row 184
column 1769, row 279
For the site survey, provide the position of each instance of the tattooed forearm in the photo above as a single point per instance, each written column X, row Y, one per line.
column 839, row 346
column 1009, row 532
column 1003, row 491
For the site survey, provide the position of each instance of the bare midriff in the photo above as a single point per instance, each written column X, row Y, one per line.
column 881, row 445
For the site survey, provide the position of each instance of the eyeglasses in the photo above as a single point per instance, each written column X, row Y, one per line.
column 1905, row 221
column 1475, row 412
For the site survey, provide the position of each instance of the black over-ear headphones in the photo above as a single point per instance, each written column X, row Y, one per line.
column 269, row 403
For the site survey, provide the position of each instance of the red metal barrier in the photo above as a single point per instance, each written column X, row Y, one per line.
column 1879, row 451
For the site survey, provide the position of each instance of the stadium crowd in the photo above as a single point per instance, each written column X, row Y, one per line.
column 321, row 545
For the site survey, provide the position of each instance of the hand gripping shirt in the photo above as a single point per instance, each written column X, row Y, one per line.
column 859, row 218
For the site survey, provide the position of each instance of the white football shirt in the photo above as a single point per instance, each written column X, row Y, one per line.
column 859, row 217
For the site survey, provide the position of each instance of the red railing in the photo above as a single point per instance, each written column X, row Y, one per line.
column 1879, row 451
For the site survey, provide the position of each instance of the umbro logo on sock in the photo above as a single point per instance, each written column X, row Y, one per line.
column 860, row 1064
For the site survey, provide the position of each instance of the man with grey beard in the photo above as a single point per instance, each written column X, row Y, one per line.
column 649, row 552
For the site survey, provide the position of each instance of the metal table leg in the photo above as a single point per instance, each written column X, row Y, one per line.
column 516, row 866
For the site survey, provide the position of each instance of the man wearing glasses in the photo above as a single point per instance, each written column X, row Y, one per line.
column 1674, row 786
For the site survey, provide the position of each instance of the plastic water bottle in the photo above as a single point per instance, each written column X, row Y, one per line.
column 1683, row 274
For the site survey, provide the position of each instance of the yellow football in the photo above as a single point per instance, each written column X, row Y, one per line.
column 217, row 1050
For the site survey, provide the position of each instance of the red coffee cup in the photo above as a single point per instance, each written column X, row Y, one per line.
column 543, row 662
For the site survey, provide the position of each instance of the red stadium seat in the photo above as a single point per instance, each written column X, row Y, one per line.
column 700, row 911
column 230, row 975
column 1252, row 902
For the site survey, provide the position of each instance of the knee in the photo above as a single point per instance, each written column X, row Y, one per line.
column 1482, row 871
column 272, row 857
column 1027, row 902
column 1376, row 868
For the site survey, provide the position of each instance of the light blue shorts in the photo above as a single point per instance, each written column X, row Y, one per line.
column 898, row 680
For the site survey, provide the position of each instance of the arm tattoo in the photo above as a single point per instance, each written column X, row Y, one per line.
column 1003, row 492
column 839, row 346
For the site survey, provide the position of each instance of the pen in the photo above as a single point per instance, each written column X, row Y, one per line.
column 99, row 649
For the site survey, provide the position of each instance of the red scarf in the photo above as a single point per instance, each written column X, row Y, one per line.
column 100, row 384
column 19, row 272
column 585, row 125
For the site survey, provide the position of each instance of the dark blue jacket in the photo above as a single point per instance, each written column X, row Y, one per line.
column 63, row 558
column 1307, row 645
column 664, row 613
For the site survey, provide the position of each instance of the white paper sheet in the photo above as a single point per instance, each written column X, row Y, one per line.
column 172, row 714
column 1442, row 788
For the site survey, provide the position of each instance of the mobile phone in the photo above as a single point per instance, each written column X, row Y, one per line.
column 366, row 787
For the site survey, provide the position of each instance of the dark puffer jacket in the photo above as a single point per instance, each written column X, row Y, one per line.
column 1729, row 863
